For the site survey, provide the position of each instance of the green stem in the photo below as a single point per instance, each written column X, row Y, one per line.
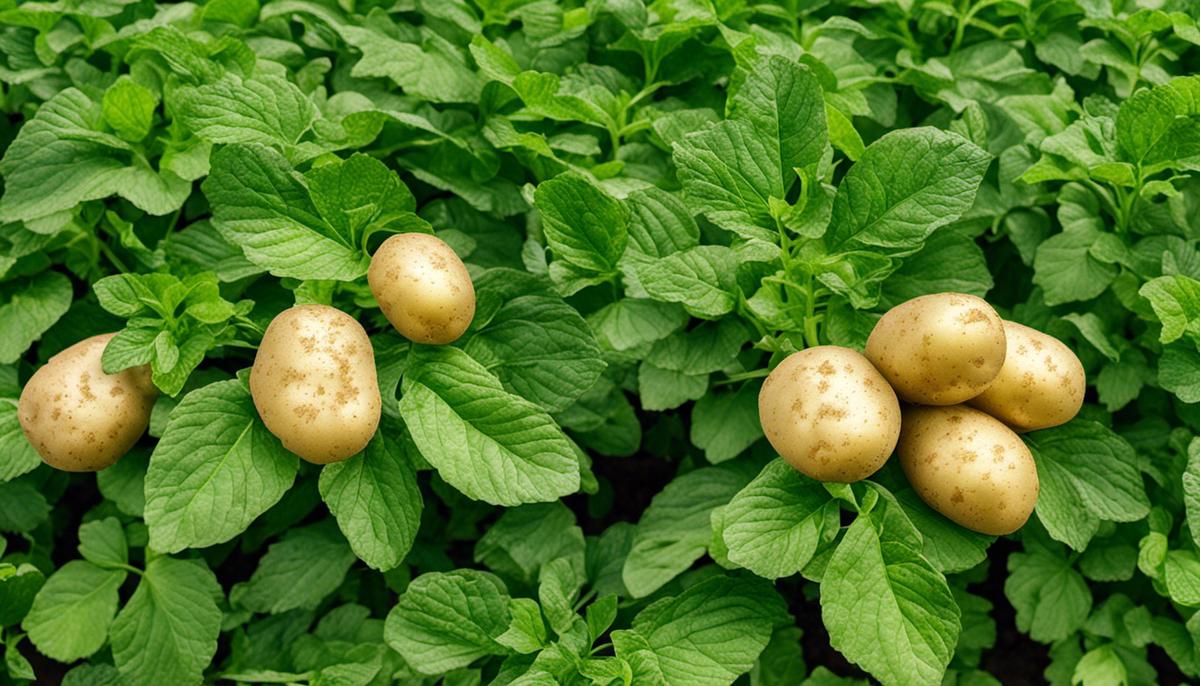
column 810, row 318
column 111, row 256
column 965, row 20
column 584, row 600
column 614, row 137
column 122, row 566
column 744, row 376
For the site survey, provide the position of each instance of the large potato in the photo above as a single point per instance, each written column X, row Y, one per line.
column 80, row 419
column 314, row 383
column 423, row 288
column 830, row 414
column 939, row 349
column 969, row 466
column 1041, row 384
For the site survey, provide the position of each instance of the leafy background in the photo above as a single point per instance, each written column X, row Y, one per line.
column 656, row 202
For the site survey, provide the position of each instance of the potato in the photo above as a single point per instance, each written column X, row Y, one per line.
column 314, row 383
column 80, row 419
column 938, row 349
column 830, row 414
column 1041, row 384
column 423, row 288
column 969, row 466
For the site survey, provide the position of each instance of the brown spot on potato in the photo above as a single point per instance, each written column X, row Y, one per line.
column 854, row 421
column 423, row 288
column 79, row 418
column 314, row 383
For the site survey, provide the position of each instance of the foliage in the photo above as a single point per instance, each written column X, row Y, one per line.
column 656, row 202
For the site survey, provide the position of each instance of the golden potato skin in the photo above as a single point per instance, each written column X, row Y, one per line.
column 830, row 414
column 968, row 466
column 80, row 419
column 314, row 385
column 423, row 288
column 1041, row 384
column 939, row 349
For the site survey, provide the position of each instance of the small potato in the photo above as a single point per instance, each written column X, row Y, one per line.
column 938, row 349
column 968, row 466
column 829, row 414
column 80, row 419
column 314, row 383
column 423, row 288
column 1041, row 384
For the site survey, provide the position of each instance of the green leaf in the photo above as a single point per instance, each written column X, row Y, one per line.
column 1191, row 489
column 526, row 538
column 1100, row 666
column 947, row 546
column 725, row 424
column 601, row 615
column 19, row 586
column 124, row 483
column 28, row 309
column 1181, row 574
column 675, row 529
column 526, row 632
column 448, row 620
column 774, row 525
column 702, row 279
column 584, row 225
column 782, row 100
column 1179, row 372
column 167, row 632
column 906, row 184
column 63, row 147
column 729, row 172
column 950, row 261
column 102, row 542
column 261, row 204
column 22, row 507
column 359, row 196
column 20, row 457
column 215, row 470
column 709, row 347
column 541, row 349
column 376, row 500
column 1156, row 127
column 15, row 663
column 666, row 389
column 484, row 441
column 1083, row 462
column 264, row 109
column 709, row 634
column 1066, row 269
column 1092, row 328
column 128, row 108
column 1052, row 600
column 70, row 616
column 558, row 588
column 782, row 661
column 297, row 572
column 660, row 223
column 1109, row 559
column 885, row 606
column 1176, row 303
column 629, row 322
column 434, row 71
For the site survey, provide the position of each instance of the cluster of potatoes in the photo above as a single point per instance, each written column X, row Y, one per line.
column 969, row 381
column 313, row 381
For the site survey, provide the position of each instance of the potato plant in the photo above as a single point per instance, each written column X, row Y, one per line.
column 599, row 342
